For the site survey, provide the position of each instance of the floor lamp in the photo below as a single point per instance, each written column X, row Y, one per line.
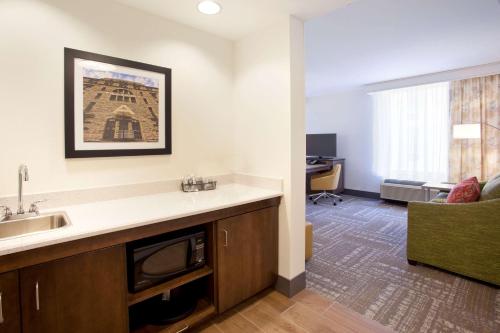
column 467, row 131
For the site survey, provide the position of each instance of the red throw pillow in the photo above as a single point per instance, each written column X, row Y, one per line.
column 466, row 191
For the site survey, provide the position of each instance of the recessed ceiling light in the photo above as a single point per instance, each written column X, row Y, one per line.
column 209, row 7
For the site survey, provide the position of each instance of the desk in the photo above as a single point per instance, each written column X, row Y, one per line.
column 444, row 187
column 325, row 164
column 315, row 168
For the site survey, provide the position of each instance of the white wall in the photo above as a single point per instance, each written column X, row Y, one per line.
column 297, row 189
column 32, row 37
column 349, row 114
column 236, row 106
column 269, row 130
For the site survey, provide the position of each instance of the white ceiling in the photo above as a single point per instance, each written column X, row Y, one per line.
column 379, row 40
column 238, row 18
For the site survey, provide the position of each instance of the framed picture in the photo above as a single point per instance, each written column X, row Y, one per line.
column 115, row 107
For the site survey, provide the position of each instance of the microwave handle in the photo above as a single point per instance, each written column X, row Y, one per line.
column 189, row 259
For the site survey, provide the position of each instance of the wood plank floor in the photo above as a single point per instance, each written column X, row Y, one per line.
column 307, row 312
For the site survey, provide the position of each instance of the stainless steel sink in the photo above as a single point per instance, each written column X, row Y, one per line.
column 35, row 224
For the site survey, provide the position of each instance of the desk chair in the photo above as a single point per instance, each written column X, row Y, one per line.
column 328, row 181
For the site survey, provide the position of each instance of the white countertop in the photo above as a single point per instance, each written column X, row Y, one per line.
column 102, row 217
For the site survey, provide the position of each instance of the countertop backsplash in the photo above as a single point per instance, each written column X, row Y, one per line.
column 82, row 196
column 137, row 209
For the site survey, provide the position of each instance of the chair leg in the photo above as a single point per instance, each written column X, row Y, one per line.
column 319, row 196
column 324, row 194
column 331, row 195
column 314, row 196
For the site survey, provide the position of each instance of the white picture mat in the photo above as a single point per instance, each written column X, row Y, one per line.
column 78, row 109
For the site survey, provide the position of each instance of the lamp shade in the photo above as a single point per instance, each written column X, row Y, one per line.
column 467, row 131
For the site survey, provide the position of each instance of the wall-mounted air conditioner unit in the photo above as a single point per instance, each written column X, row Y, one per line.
column 403, row 190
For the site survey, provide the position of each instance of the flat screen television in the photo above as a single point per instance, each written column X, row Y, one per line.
column 321, row 145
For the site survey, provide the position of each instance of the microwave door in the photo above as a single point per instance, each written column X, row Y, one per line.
column 166, row 261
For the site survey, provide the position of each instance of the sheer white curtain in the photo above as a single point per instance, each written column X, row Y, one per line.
column 411, row 132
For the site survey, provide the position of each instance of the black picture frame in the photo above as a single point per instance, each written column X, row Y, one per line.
column 69, row 105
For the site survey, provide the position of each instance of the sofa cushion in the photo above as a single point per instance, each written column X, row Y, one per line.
column 481, row 184
column 492, row 189
column 466, row 191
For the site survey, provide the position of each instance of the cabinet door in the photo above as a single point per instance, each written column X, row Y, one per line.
column 10, row 315
column 83, row 293
column 247, row 255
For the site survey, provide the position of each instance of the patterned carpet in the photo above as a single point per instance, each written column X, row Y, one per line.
column 360, row 261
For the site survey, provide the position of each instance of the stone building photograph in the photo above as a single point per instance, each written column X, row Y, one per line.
column 119, row 110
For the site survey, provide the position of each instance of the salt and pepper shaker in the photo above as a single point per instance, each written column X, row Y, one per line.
column 194, row 184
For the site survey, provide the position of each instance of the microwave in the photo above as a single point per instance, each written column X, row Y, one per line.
column 155, row 260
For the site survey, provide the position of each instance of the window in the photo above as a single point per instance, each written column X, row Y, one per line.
column 89, row 107
column 122, row 129
column 411, row 132
column 153, row 115
column 121, row 95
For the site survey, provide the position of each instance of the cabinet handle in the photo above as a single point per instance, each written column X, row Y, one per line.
column 183, row 329
column 225, row 237
column 37, row 297
column 1, row 309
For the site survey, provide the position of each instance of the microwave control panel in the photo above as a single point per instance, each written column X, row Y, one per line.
column 199, row 250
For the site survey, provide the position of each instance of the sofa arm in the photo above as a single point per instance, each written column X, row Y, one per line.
column 463, row 238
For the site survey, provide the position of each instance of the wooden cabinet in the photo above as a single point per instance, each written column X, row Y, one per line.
column 247, row 255
column 80, row 286
column 10, row 314
column 82, row 293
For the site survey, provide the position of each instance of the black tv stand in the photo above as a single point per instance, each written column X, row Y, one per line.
column 322, row 158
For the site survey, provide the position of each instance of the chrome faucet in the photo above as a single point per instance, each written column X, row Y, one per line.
column 23, row 176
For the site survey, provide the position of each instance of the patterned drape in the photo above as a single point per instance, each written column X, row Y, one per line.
column 472, row 101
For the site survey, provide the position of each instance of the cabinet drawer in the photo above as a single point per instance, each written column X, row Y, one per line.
column 10, row 315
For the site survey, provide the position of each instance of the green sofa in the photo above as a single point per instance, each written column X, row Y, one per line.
column 462, row 238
